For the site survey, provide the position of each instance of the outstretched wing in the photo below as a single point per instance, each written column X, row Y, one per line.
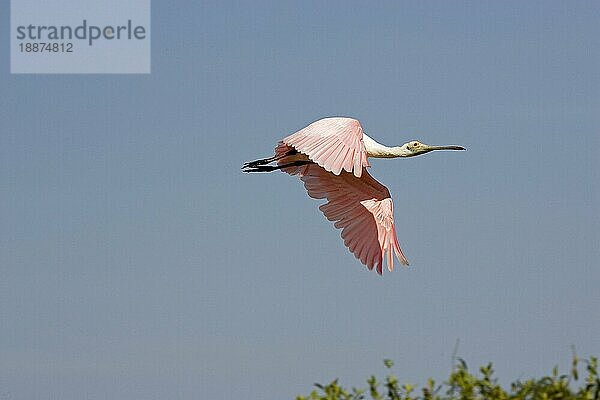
column 334, row 143
column 363, row 209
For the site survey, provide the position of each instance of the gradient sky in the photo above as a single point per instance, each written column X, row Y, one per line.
column 138, row 262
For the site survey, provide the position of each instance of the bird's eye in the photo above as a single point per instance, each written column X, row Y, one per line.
column 415, row 144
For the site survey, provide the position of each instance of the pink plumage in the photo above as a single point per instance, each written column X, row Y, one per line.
column 362, row 208
column 330, row 157
column 335, row 144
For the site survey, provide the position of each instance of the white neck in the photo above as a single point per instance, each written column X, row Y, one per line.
column 378, row 150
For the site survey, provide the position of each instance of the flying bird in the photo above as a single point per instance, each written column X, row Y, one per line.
column 331, row 156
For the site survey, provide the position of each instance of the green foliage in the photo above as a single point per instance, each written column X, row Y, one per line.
column 463, row 385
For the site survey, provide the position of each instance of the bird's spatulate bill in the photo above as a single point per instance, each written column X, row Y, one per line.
column 446, row 147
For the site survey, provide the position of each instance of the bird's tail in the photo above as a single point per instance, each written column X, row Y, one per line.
column 281, row 152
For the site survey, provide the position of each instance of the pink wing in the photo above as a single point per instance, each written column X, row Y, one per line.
column 334, row 143
column 362, row 208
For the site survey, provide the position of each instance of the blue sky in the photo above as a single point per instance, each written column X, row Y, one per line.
column 138, row 262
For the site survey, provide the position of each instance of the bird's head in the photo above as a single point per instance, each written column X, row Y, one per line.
column 415, row 148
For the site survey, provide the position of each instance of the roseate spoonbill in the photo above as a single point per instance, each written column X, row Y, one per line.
column 330, row 157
